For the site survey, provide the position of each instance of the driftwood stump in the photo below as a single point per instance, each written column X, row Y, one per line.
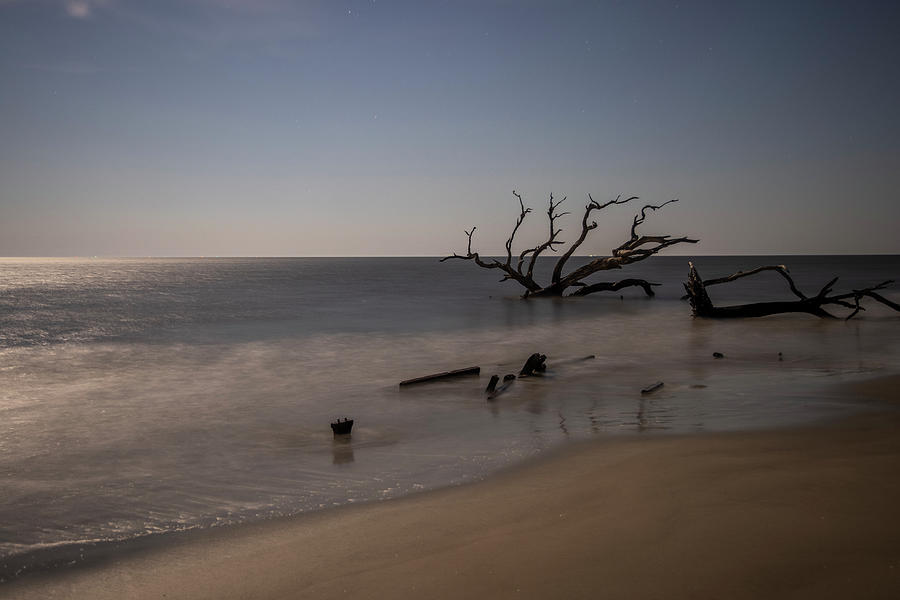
column 534, row 365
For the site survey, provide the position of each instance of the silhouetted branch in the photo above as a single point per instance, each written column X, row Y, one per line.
column 780, row 269
column 509, row 242
column 607, row 286
column 635, row 249
column 585, row 229
column 552, row 216
column 702, row 305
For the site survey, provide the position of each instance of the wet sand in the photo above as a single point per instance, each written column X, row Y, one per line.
column 800, row 513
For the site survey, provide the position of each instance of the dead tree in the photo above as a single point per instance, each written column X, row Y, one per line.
column 702, row 305
column 636, row 248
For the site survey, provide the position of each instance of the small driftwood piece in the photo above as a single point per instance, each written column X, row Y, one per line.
column 444, row 375
column 507, row 382
column 702, row 306
column 534, row 365
column 572, row 361
column 652, row 388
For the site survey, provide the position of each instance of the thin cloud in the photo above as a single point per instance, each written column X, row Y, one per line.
column 223, row 22
column 82, row 9
column 204, row 21
column 69, row 68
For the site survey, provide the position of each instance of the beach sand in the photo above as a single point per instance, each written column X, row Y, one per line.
column 800, row 513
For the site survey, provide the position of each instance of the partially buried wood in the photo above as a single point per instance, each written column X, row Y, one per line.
column 702, row 305
column 534, row 365
column 652, row 388
column 492, row 385
column 342, row 427
column 507, row 382
column 444, row 375
column 569, row 361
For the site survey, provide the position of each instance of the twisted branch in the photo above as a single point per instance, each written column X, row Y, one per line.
column 509, row 242
column 702, row 306
column 585, row 228
column 552, row 216
column 637, row 248
column 780, row 269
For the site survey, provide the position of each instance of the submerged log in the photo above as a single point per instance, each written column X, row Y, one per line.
column 507, row 382
column 575, row 360
column 652, row 388
column 609, row 286
column 444, row 375
column 702, row 305
column 492, row 385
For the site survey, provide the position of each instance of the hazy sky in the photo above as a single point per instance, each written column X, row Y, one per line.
column 270, row 127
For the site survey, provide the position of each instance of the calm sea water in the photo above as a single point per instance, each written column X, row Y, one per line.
column 145, row 396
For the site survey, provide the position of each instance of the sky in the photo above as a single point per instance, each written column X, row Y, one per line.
column 386, row 128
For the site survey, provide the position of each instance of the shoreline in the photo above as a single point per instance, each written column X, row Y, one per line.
column 77, row 555
column 800, row 512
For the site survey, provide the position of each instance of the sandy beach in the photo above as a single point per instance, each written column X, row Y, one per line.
column 800, row 513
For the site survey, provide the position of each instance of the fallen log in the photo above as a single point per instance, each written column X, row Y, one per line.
column 702, row 305
column 444, row 375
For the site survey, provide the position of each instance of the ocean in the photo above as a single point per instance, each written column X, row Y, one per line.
column 143, row 397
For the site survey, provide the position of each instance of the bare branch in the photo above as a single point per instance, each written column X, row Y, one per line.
column 607, row 286
column 585, row 228
column 640, row 219
column 523, row 211
column 635, row 242
column 702, row 306
column 882, row 299
column 856, row 308
column 635, row 249
column 780, row 269
column 552, row 215
column 510, row 273
column 826, row 288
column 469, row 254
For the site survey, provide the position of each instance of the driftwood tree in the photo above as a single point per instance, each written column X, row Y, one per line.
column 702, row 305
column 638, row 247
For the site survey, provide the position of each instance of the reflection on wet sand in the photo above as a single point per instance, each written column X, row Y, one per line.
column 652, row 415
column 342, row 450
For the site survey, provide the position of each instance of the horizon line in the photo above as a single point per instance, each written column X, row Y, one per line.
column 284, row 256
